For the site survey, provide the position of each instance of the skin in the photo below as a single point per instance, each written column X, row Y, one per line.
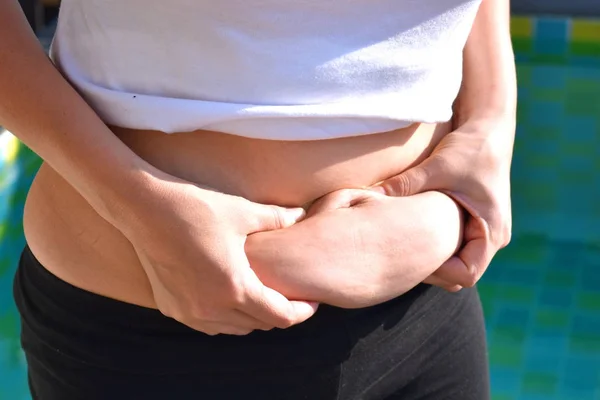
column 72, row 139
column 340, row 255
column 482, row 141
column 472, row 163
column 201, row 277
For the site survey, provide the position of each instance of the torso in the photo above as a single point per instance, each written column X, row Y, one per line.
column 77, row 245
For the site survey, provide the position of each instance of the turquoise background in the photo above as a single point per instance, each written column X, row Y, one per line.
column 542, row 294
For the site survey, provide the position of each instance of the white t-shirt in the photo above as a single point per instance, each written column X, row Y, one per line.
column 273, row 69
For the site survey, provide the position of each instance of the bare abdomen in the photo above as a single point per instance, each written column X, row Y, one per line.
column 80, row 247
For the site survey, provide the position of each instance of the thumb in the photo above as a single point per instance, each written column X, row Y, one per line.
column 418, row 179
column 267, row 217
column 468, row 265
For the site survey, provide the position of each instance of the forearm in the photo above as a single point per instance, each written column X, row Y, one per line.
column 489, row 79
column 39, row 107
column 360, row 256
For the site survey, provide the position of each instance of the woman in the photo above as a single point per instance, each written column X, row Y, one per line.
column 167, row 233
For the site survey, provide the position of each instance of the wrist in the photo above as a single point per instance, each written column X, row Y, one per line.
column 117, row 186
column 503, row 114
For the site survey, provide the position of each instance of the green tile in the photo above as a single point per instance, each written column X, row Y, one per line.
column 552, row 59
column 9, row 326
column 522, row 45
column 527, row 253
column 584, row 48
column 505, row 355
column 589, row 301
column 18, row 198
column 509, row 335
column 33, row 166
column 3, row 229
column 524, row 74
column 577, row 177
column 559, row 278
column 516, row 293
column 486, row 289
column 541, row 161
column 536, row 240
column 576, row 149
column 14, row 231
column 574, row 105
column 497, row 396
column 585, row 343
column 539, row 383
column 535, row 133
column 488, row 308
column 547, row 94
column 579, row 86
column 6, row 264
column 552, row 318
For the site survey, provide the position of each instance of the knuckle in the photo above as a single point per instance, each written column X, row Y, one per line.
column 232, row 292
column 285, row 321
column 236, row 295
column 471, row 278
column 439, row 163
column 399, row 186
column 277, row 217
column 194, row 315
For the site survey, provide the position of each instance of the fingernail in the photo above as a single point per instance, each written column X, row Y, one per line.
column 295, row 214
column 378, row 189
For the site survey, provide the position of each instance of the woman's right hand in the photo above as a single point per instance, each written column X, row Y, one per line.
column 190, row 241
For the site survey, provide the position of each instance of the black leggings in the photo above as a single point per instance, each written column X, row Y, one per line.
column 427, row 344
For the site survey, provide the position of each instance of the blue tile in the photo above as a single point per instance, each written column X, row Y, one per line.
column 544, row 341
column 583, row 73
column 529, row 396
column 511, row 316
column 522, row 58
column 581, row 379
column 585, row 61
column 504, row 379
column 546, row 114
column 591, row 283
column 549, row 77
column 550, row 47
column 555, row 297
column 545, row 146
column 555, row 29
column 543, row 362
column 582, row 128
column 522, row 276
column 586, row 323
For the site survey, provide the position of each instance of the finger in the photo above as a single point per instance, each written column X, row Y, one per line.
column 232, row 318
column 261, row 217
column 242, row 320
column 420, row 178
column 435, row 281
column 467, row 267
column 271, row 307
column 213, row 329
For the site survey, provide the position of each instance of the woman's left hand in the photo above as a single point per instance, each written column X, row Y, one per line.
column 471, row 165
